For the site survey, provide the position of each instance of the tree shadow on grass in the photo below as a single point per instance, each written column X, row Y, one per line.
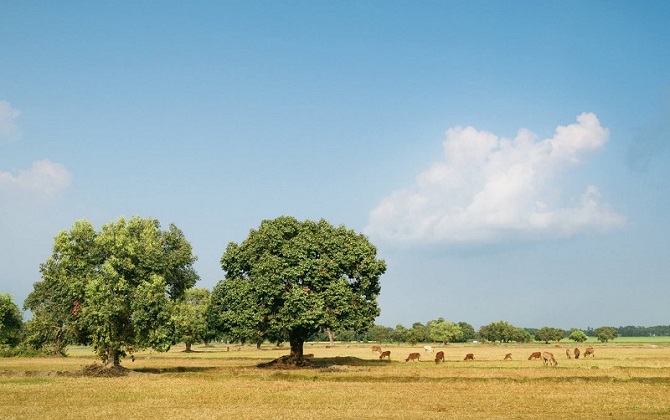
column 175, row 369
column 286, row 362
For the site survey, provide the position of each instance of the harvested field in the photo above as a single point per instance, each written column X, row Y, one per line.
column 622, row 381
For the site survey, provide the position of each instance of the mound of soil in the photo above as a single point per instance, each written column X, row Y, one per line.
column 101, row 371
column 286, row 362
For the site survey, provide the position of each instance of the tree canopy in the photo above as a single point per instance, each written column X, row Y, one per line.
column 605, row 334
column 112, row 288
column 548, row 334
column 11, row 321
column 577, row 335
column 290, row 279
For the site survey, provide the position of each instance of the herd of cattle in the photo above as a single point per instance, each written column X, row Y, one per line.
column 546, row 356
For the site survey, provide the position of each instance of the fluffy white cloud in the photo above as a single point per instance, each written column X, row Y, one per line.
column 489, row 188
column 44, row 179
column 8, row 116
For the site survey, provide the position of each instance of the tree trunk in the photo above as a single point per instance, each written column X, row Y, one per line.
column 296, row 348
column 258, row 345
column 331, row 337
column 113, row 358
column 188, row 348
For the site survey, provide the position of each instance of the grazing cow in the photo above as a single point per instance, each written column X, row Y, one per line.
column 386, row 353
column 377, row 348
column 549, row 358
column 589, row 352
column 508, row 356
column 576, row 353
column 413, row 357
column 469, row 356
column 428, row 349
column 568, row 353
column 439, row 357
column 535, row 355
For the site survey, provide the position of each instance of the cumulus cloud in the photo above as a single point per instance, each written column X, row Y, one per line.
column 487, row 188
column 44, row 179
column 9, row 130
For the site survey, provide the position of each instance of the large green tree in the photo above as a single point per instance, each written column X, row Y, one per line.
column 11, row 321
column 577, row 335
column 290, row 279
column 503, row 332
column 113, row 288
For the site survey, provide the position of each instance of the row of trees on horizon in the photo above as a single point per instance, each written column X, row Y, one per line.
column 131, row 286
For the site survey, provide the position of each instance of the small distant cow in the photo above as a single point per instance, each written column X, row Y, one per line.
column 308, row 355
column 535, row 355
column 469, row 356
column 508, row 356
column 568, row 353
column 589, row 352
column 576, row 353
column 439, row 357
column 549, row 358
column 428, row 349
column 377, row 348
column 386, row 353
column 413, row 357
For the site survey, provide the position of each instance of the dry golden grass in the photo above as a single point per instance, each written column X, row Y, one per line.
column 622, row 381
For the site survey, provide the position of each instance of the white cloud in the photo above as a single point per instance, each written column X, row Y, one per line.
column 488, row 188
column 9, row 130
column 44, row 179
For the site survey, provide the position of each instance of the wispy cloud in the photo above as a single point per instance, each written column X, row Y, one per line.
column 487, row 188
column 9, row 130
column 44, row 179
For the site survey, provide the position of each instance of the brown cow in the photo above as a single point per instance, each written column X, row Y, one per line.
column 386, row 353
column 589, row 352
column 576, row 353
column 469, row 356
column 414, row 356
column 508, row 356
column 377, row 348
column 439, row 357
column 308, row 356
column 535, row 355
column 549, row 358
column 568, row 353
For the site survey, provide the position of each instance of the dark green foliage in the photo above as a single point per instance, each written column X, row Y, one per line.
column 605, row 334
column 11, row 321
column 548, row 334
column 289, row 280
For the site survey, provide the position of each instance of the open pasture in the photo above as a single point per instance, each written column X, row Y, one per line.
column 626, row 380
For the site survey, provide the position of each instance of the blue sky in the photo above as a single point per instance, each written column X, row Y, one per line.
column 508, row 159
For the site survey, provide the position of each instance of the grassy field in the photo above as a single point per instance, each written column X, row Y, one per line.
column 624, row 380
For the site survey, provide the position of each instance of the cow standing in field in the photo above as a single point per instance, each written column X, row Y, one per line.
column 589, row 352
column 439, row 357
column 508, row 356
column 413, row 357
column 576, row 353
column 535, row 355
column 549, row 358
column 386, row 353
column 568, row 353
column 377, row 348
column 469, row 356
column 428, row 349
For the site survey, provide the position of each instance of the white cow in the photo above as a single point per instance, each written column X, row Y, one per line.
column 428, row 349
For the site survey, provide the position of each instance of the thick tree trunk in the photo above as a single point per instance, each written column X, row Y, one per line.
column 188, row 348
column 258, row 345
column 296, row 348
